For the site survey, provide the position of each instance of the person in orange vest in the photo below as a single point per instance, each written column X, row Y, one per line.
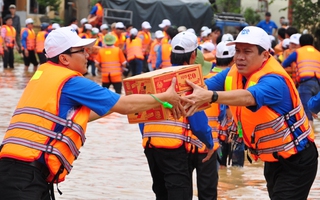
column 152, row 59
column 49, row 124
column 164, row 50
column 145, row 36
column 208, row 48
column 41, row 36
column 83, row 21
column 104, row 29
column 96, row 15
column 28, row 44
column 294, row 44
column 94, row 50
column 167, row 142
column 8, row 34
column 165, row 24
column 270, row 117
column 307, row 59
column 111, row 62
column 118, row 32
column 134, row 52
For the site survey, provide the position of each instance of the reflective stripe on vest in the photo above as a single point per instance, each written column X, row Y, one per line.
column 40, row 41
column 31, row 40
column 308, row 62
column 134, row 49
column 10, row 35
column 166, row 53
column 110, row 67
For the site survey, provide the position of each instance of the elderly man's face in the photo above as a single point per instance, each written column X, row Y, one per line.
column 247, row 58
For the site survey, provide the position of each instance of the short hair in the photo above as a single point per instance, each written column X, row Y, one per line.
column 282, row 17
column 72, row 20
column 306, row 39
column 268, row 14
column 261, row 49
column 219, row 38
column 180, row 58
column 216, row 28
column 282, row 32
column 171, row 31
column 55, row 59
column 128, row 26
column 291, row 30
column 224, row 61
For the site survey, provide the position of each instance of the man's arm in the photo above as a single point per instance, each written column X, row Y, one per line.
column 314, row 104
column 290, row 59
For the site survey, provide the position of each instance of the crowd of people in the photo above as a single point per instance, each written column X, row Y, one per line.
column 255, row 82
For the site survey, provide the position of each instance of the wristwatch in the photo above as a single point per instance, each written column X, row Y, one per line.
column 214, row 97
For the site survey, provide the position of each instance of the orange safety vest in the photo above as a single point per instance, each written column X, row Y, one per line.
column 31, row 130
column 168, row 134
column 153, row 54
column 134, row 49
column 308, row 62
column 10, row 35
column 165, row 39
column 85, row 35
column 210, row 57
column 266, row 132
column 165, row 56
column 146, row 41
column 31, row 39
column 292, row 70
column 1, row 46
column 110, row 63
column 41, row 36
column 99, row 12
column 119, row 41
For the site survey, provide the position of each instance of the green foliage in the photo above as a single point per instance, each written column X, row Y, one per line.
column 93, row 2
column 230, row 6
column 251, row 16
column 54, row 4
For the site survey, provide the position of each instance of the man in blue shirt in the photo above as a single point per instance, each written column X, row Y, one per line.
column 268, row 25
column 265, row 104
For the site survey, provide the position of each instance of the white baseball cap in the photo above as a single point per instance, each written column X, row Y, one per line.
column 120, row 25
column 285, row 43
column 227, row 37
column 204, row 28
column 191, row 30
column 146, row 25
column 208, row 46
column 294, row 38
column 88, row 26
column 205, row 33
column 55, row 26
column 253, row 35
column 224, row 50
column 103, row 26
column 133, row 31
column 61, row 39
column 181, row 28
column 187, row 40
column 74, row 26
column 29, row 21
column 164, row 23
column 159, row 34
column 95, row 30
column 83, row 20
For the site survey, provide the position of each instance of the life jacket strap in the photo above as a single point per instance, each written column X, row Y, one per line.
column 56, row 119
column 41, row 147
column 170, row 123
column 48, row 133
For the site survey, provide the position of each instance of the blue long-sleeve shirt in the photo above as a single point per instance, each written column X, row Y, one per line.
column 93, row 10
column 24, row 39
column 159, row 57
column 314, row 103
column 290, row 59
column 199, row 127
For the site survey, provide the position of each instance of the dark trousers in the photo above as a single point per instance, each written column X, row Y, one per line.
column 170, row 174
column 30, row 59
column 207, row 175
column 22, row 182
column 292, row 178
column 8, row 58
column 117, row 86
column 136, row 66
column 93, row 67
column 42, row 58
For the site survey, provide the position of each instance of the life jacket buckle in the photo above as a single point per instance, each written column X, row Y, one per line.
column 296, row 142
column 253, row 151
column 292, row 128
column 59, row 136
column 188, row 139
column 69, row 123
column 287, row 117
column 49, row 149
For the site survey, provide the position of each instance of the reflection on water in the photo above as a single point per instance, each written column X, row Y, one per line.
column 112, row 164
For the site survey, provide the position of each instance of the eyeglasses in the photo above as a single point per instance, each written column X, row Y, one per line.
column 79, row 51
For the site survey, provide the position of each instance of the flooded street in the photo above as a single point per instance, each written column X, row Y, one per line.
column 112, row 165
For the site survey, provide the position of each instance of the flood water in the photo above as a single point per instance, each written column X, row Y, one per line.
column 112, row 165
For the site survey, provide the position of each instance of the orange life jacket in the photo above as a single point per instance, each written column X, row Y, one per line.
column 31, row 39
column 134, row 49
column 99, row 12
column 292, row 70
column 165, row 39
column 41, row 36
column 85, row 35
column 153, row 54
column 1, row 46
column 210, row 57
column 110, row 62
column 266, row 132
column 165, row 56
column 119, row 40
column 10, row 37
column 31, row 130
column 308, row 62
column 168, row 134
column 146, row 41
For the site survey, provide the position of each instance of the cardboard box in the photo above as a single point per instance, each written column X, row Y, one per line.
column 159, row 81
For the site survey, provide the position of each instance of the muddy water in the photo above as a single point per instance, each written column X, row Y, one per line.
column 112, row 165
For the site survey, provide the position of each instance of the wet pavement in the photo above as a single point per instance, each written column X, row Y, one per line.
column 112, row 165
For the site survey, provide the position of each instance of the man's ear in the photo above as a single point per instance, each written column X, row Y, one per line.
column 63, row 60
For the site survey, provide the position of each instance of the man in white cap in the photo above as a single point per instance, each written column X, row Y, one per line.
column 269, row 114
column 146, row 39
column 28, row 44
column 48, row 127
column 307, row 59
column 83, row 21
column 165, row 24
column 118, row 32
column 152, row 59
column 104, row 29
column 167, row 157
